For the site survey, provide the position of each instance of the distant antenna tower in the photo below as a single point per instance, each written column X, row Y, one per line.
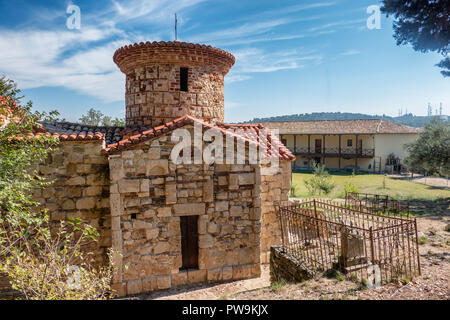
column 430, row 111
column 176, row 27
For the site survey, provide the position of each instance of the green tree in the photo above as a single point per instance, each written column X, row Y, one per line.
column 92, row 118
column 35, row 256
column 430, row 153
column 97, row 118
column 8, row 88
column 118, row 122
column 423, row 24
column 320, row 182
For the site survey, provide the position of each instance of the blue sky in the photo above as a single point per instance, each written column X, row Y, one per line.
column 292, row 56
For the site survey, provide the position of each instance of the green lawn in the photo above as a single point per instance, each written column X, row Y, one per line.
column 370, row 183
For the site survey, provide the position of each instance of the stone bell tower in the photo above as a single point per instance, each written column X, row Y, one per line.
column 167, row 80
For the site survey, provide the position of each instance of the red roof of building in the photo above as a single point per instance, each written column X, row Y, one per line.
column 369, row 126
column 118, row 139
column 247, row 133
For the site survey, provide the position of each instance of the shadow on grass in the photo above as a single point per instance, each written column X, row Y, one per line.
column 334, row 173
column 427, row 186
column 439, row 207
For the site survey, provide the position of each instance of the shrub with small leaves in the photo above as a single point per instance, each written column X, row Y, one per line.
column 39, row 260
column 320, row 183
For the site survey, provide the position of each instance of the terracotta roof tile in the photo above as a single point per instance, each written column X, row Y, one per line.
column 246, row 133
column 67, row 131
column 372, row 126
column 118, row 138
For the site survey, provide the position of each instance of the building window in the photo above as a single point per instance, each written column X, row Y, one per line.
column 189, row 242
column 349, row 143
column 184, row 72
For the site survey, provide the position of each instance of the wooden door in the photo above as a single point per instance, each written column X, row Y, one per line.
column 318, row 148
column 189, row 242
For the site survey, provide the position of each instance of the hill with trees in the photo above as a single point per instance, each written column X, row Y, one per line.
column 407, row 119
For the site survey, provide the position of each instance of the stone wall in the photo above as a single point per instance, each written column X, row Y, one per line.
column 80, row 189
column 149, row 193
column 275, row 188
column 153, row 95
column 285, row 267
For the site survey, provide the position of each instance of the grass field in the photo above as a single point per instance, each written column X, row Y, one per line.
column 370, row 183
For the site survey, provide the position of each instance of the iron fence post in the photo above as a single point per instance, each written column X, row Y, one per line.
column 281, row 227
column 317, row 219
column 417, row 246
column 372, row 248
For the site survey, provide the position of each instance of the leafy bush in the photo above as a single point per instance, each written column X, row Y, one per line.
column 39, row 259
column 293, row 190
column 350, row 188
column 429, row 153
column 320, row 182
column 52, row 266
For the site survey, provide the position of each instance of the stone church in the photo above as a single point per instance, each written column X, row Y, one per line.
column 174, row 224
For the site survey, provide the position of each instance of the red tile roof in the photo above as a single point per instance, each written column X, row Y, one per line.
column 247, row 133
column 67, row 131
column 118, row 139
column 372, row 126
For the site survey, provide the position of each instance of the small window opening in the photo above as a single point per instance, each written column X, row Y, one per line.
column 133, row 216
column 349, row 142
column 184, row 79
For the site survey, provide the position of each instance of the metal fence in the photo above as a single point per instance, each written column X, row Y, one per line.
column 373, row 248
column 376, row 203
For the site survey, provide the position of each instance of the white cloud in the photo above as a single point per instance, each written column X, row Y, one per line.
column 350, row 52
column 336, row 24
column 253, row 60
column 82, row 60
column 244, row 30
column 232, row 105
column 156, row 11
column 56, row 58
column 230, row 78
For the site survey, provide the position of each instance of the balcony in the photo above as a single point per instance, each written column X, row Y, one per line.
column 345, row 153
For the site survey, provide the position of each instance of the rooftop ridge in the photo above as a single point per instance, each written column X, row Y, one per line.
column 174, row 44
column 79, row 124
column 142, row 53
column 374, row 119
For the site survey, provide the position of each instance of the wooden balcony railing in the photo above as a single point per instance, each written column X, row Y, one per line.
column 334, row 152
